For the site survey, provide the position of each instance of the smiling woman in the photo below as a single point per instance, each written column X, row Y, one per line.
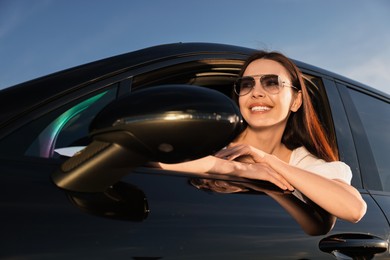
column 283, row 142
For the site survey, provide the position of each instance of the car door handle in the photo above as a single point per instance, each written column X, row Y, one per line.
column 353, row 245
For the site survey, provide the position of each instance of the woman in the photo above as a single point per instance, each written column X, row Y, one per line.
column 283, row 141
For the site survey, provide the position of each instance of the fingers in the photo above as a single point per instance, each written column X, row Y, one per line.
column 230, row 153
column 253, row 165
column 261, row 171
column 268, row 174
column 235, row 151
column 281, row 183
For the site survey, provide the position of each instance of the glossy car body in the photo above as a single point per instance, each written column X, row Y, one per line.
column 155, row 214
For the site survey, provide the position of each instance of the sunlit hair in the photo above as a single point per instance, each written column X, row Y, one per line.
column 303, row 127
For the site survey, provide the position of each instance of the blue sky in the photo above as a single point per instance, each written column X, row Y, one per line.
column 349, row 37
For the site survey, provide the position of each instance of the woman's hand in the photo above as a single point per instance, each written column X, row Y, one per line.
column 250, row 163
column 242, row 153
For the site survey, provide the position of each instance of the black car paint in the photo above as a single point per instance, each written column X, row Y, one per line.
column 182, row 222
column 41, row 221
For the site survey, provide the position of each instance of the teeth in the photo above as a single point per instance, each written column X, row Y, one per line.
column 260, row 108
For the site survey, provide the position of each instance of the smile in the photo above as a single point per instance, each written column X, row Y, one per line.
column 260, row 108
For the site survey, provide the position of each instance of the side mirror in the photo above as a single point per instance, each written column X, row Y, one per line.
column 170, row 124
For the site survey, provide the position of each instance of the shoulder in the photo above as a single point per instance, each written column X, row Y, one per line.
column 302, row 158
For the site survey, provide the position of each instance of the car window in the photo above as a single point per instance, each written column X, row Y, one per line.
column 320, row 101
column 221, row 75
column 222, row 79
column 216, row 74
column 375, row 117
column 70, row 128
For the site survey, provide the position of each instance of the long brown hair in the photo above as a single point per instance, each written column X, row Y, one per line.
column 303, row 126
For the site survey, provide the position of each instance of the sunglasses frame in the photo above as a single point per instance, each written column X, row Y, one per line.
column 282, row 83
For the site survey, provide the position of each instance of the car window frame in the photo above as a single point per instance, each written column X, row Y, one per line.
column 57, row 107
column 345, row 141
column 341, row 127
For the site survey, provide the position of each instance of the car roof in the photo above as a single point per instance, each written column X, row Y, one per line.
column 66, row 81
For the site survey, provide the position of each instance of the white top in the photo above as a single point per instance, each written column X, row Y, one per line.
column 303, row 159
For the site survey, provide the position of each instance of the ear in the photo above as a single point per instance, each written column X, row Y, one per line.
column 297, row 102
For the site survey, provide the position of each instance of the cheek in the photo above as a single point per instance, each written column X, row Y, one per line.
column 287, row 101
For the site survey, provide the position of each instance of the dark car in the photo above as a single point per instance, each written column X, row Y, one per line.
column 75, row 148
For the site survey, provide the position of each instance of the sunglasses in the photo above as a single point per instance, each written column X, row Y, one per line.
column 271, row 83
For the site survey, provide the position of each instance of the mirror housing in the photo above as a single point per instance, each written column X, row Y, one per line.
column 170, row 124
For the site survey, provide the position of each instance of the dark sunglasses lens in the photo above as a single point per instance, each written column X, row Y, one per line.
column 270, row 83
column 245, row 85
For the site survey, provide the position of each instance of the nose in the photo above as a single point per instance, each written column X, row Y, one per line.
column 258, row 90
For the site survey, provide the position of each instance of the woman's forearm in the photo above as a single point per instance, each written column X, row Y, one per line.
column 337, row 197
column 208, row 164
column 200, row 165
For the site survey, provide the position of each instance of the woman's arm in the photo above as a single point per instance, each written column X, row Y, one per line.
column 201, row 165
column 215, row 165
column 338, row 198
column 335, row 196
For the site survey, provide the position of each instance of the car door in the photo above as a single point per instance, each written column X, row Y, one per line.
column 369, row 116
column 155, row 214
column 354, row 149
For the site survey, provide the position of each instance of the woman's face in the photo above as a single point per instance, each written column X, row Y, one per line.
column 261, row 109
